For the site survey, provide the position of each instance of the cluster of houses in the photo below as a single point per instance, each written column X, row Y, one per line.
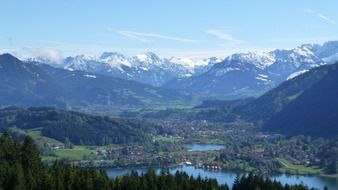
column 202, row 166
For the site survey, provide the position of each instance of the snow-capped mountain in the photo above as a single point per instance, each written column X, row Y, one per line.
column 30, row 84
column 236, row 76
column 147, row 68
column 108, row 62
column 248, row 74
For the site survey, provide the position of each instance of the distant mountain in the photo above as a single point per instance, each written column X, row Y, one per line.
column 240, row 75
column 29, row 84
column 147, row 68
column 243, row 75
column 24, row 83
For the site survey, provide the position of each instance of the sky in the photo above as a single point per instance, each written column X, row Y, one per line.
column 183, row 28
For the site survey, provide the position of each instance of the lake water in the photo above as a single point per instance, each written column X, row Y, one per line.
column 228, row 177
column 203, row 147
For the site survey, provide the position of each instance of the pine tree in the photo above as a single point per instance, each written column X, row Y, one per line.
column 31, row 164
column 19, row 179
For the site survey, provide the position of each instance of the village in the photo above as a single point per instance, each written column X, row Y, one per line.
column 243, row 150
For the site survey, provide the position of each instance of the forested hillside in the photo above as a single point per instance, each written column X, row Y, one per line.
column 276, row 99
column 76, row 127
column 314, row 112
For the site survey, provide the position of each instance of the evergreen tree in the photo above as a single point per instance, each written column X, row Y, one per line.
column 31, row 164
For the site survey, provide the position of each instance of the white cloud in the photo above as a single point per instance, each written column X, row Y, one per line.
column 326, row 19
column 321, row 16
column 146, row 37
column 48, row 53
column 227, row 39
column 133, row 36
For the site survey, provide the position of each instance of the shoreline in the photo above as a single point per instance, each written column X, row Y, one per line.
column 174, row 166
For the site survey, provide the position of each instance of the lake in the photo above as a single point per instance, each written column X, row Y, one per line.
column 203, row 147
column 228, row 177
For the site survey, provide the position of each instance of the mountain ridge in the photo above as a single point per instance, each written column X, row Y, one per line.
column 148, row 67
column 243, row 75
column 239, row 75
column 30, row 84
column 313, row 112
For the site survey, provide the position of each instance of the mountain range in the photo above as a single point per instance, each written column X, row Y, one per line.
column 31, row 84
column 243, row 75
column 147, row 68
column 303, row 103
column 239, row 75
column 114, row 80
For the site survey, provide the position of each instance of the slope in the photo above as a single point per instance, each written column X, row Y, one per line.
column 27, row 84
column 76, row 127
column 313, row 113
column 264, row 107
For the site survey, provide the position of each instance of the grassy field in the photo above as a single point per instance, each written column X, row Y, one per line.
column 75, row 153
column 36, row 135
column 300, row 169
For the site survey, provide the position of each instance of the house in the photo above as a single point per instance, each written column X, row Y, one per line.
column 56, row 146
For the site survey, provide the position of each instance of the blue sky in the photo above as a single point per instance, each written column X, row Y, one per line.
column 183, row 28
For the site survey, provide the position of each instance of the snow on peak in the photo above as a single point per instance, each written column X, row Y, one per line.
column 148, row 57
column 150, row 68
column 295, row 74
column 260, row 59
column 214, row 60
column 141, row 57
column 82, row 58
column 114, row 59
column 183, row 61
column 90, row 76
column 303, row 51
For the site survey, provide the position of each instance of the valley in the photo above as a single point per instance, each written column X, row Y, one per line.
column 139, row 135
column 168, row 95
column 246, row 148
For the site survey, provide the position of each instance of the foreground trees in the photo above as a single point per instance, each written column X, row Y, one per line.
column 21, row 169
